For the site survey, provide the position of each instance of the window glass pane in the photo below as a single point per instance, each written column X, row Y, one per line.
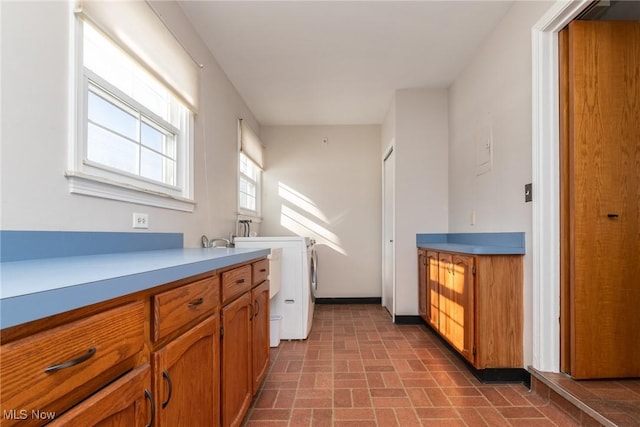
column 112, row 117
column 153, row 138
column 151, row 165
column 157, row 167
column 111, row 150
column 247, row 194
column 248, row 168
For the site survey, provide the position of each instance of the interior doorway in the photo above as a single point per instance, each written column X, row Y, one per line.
column 545, row 158
column 388, row 221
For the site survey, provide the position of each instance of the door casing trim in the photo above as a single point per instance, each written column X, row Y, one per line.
column 546, row 183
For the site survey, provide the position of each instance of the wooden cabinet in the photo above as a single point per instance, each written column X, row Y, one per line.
column 433, row 288
column 475, row 303
column 127, row 402
column 456, row 302
column 422, row 284
column 236, row 364
column 52, row 370
column 185, row 374
column 177, row 307
column 154, row 358
column 260, row 334
column 245, row 341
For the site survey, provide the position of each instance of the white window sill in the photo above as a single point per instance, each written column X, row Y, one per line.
column 90, row 185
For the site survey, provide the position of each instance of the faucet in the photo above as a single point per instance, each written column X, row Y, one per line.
column 206, row 243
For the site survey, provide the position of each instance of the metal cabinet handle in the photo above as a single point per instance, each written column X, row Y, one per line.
column 257, row 309
column 613, row 215
column 149, row 396
column 239, row 282
column 73, row 362
column 263, row 270
column 196, row 303
column 166, row 376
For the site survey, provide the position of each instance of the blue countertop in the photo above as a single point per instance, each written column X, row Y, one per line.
column 36, row 288
column 474, row 243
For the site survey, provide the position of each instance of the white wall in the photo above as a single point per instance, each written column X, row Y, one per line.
column 331, row 192
column 418, row 122
column 496, row 89
column 36, row 66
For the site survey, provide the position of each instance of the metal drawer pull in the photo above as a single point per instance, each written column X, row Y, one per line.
column 166, row 376
column 613, row 215
column 196, row 303
column 149, row 396
column 240, row 281
column 70, row 363
column 263, row 270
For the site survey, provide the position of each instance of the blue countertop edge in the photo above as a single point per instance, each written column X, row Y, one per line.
column 38, row 288
column 507, row 243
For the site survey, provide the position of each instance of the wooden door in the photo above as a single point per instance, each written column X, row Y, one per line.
column 422, row 283
column 125, row 403
column 433, row 289
column 186, row 380
column 260, row 333
column 600, row 199
column 236, row 364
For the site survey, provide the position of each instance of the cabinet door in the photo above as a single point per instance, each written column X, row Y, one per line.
column 433, row 289
column 237, row 379
column 422, row 284
column 463, row 328
column 445, row 295
column 125, row 403
column 186, row 380
column 260, row 334
column 457, row 302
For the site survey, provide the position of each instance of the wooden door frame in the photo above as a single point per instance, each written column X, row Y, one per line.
column 546, row 183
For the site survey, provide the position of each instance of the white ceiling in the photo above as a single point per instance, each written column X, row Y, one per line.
column 339, row 62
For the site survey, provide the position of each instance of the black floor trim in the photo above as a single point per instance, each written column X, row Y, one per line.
column 408, row 320
column 488, row 375
column 367, row 300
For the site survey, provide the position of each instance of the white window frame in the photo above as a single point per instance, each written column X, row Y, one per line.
column 92, row 179
column 244, row 212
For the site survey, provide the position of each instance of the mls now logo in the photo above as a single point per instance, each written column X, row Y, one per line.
column 23, row 414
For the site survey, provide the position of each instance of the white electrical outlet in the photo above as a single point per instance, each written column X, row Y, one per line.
column 140, row 220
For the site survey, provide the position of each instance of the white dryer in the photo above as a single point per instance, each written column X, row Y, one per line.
column 295, row 301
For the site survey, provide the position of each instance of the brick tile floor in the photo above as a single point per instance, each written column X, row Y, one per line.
column 359, row 369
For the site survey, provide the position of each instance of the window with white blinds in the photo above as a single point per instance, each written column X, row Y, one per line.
column 250, row 172
column 134, row 133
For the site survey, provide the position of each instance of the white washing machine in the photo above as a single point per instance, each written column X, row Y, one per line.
column 295, row 301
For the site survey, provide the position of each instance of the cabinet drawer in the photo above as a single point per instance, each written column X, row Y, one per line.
column 177, row 307
column 235, row 282
column 259, row 271
column 54, row 369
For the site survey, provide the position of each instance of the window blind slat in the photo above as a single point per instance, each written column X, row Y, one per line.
column 250, row 144
column 135, row 27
